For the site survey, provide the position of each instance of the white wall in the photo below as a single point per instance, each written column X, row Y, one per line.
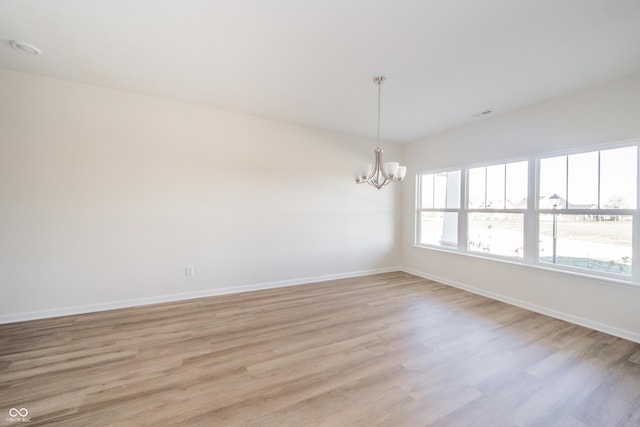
column 106, row 196
column 602, row 114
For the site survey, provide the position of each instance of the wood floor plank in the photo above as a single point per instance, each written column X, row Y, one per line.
column 390, row 349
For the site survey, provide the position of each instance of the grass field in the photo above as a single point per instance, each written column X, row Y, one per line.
column 582, row 243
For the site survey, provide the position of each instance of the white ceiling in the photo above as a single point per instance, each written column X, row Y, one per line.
column 312, row 62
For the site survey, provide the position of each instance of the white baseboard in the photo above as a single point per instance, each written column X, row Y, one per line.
column 67, row 311
column 608, row 329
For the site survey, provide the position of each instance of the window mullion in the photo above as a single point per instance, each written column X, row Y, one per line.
column 504, row 190
column 419, row 205
column 635, row 247
column 531, row 223
column 599, row 201
column 485, row 186
column 566, row 183
column 635, row 228
column 446, row 191
column 463, row 235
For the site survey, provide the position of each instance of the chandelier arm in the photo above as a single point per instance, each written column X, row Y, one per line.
column 384, row 174
column 377, row 167
column 374, row 171
column 376, row 180
column 376, row 184
column 387, row 177
column 380, row 180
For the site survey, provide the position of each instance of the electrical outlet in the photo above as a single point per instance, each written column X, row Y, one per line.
column 189, row 270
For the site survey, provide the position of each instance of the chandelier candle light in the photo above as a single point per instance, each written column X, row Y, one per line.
column 379, row 174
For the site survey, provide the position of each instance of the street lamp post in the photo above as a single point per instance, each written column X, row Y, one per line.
column 555, row 199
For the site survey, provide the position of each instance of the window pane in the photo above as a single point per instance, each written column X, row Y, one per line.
column 517, row 186
column 553, row 180
column 447, row 190
column 476, row 188
column 495, row 187
column 453, row 189
column 618, row 178
column 426, row 186
column 593, row 242
column 439, row 228
column 497, row 234
column 583, row 181
column 440, row 190
column 488, row 189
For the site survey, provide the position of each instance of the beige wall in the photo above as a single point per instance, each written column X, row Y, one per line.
column 106, row 196
column 598, row 115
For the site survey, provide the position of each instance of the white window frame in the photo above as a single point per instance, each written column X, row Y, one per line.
column 523, row 211
column 635, row 253
column 420, row 209
column 532, row 214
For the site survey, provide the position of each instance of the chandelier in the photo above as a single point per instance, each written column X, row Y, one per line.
column 379, row 174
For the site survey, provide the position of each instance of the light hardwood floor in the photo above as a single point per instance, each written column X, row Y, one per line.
column 384, row 350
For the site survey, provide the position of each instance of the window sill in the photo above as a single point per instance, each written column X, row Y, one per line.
column 602, row 279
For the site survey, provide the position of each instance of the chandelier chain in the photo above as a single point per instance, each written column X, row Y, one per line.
column 379, row 85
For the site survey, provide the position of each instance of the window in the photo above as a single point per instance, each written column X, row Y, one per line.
column 438, row 205
column 575, row 211
column 496, row 206
column 586, row 208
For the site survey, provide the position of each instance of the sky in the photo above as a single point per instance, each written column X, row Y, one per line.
column 595, row 178
column 575, row 177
